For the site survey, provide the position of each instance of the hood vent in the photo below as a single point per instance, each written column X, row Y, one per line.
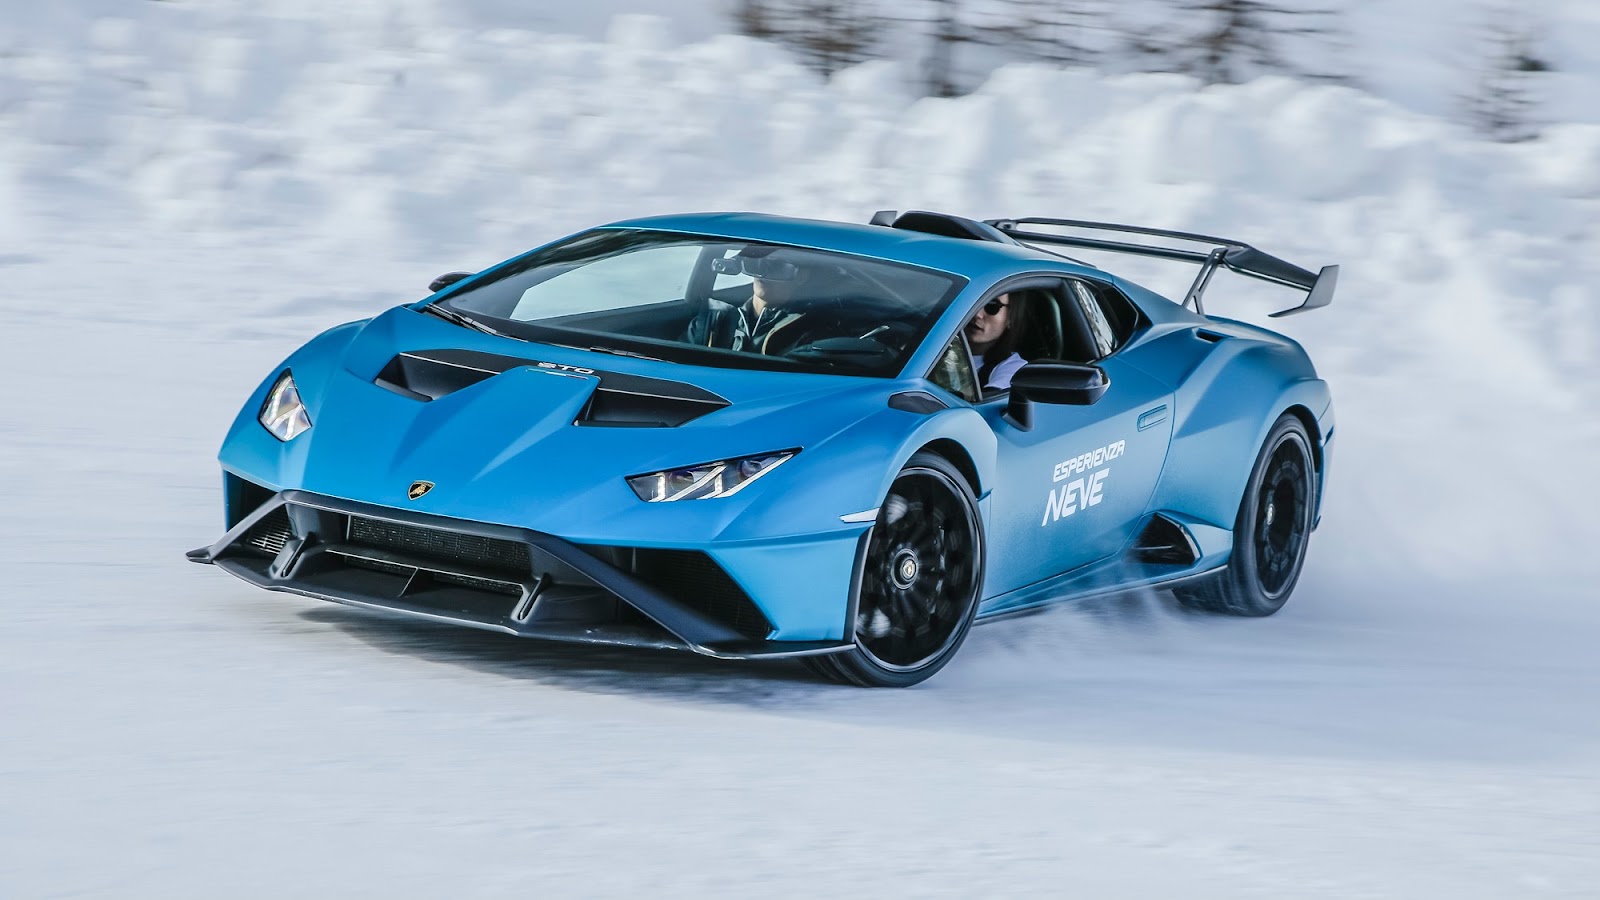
column 619, row 400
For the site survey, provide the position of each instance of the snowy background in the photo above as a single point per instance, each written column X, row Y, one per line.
column 190, row 189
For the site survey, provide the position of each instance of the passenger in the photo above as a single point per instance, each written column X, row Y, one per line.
column 762, row 324
column 992, row 335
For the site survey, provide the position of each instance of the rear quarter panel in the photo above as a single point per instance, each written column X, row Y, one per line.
column 1229, row 390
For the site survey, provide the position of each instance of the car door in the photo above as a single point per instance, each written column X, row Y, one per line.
column 1072, row 489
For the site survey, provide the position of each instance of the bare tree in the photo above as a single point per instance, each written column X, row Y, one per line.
column 1229, row 41
column 1503, row 99
column 1053, row 31
column 754, row 18
column 1215, row 40
column 946, row 34
column 828, row 35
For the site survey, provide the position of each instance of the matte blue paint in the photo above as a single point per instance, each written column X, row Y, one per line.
column 1192, row 415
column 1023, row 547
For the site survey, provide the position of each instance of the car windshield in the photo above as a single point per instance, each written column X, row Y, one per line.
column 711, row 301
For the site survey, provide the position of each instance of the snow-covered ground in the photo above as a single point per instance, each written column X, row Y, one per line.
column 190, row 190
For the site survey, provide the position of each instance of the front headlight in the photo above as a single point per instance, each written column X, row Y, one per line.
column 707, row 481
column 283, row 414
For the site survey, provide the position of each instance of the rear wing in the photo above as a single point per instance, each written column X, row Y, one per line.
column 1220, row 253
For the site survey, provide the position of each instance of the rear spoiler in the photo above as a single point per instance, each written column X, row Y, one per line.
column 1233, row 255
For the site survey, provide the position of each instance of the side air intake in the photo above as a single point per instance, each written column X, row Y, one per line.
column 1165, row 543
column 694, row 579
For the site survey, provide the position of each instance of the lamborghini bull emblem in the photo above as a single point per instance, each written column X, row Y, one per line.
column 418, row 488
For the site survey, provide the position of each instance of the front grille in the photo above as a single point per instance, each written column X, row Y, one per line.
column 376, row 565
column 271, row 533
column 691, row 578
column 474, row 582
column 433, row 544
column 508, row 588
column 356, row 555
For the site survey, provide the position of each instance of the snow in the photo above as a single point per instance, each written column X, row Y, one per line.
column 189, row 190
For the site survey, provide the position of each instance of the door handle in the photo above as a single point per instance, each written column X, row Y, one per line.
column 1150, row 418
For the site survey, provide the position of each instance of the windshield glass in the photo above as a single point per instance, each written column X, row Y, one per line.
column 713, row 301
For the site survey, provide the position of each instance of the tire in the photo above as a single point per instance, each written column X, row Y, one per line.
column 1270, row 533
column 919, row 581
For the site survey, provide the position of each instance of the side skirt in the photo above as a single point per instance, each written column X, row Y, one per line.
column 1047, row 598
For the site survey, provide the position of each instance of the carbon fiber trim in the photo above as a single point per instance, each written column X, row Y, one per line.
column 494, row 577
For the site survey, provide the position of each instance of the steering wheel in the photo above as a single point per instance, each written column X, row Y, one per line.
column 860, row 352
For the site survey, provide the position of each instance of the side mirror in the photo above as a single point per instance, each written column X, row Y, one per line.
column 1049, row 381
column 447, row 279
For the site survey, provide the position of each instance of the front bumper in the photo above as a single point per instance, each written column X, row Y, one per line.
column 494, row 577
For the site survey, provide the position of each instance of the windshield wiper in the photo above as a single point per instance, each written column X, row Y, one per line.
column 617, row 351
column 614, row 351
column 450, row 315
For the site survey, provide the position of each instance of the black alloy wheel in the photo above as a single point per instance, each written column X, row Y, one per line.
column 1271, row 532
column 1283, row 507
column 919, row 581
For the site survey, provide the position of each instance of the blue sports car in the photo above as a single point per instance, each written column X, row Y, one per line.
column 752, row 437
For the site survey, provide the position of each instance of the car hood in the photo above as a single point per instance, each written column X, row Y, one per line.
column 518, row 446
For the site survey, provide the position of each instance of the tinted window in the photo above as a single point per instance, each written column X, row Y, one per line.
column 1100, row 330
column 1118, row 311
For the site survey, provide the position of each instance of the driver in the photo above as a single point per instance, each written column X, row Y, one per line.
column 766, row 323
column 992, row 334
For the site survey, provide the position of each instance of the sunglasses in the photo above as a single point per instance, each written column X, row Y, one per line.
column 994, row 306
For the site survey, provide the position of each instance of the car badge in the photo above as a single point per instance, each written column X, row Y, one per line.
column 418, row 488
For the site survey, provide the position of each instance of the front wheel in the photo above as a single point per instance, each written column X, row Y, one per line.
column 919, row 581
column 1271, row 531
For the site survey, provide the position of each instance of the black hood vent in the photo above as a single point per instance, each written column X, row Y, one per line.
column 619, row 401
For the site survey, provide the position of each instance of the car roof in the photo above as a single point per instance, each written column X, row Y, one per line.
column 971, row 259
